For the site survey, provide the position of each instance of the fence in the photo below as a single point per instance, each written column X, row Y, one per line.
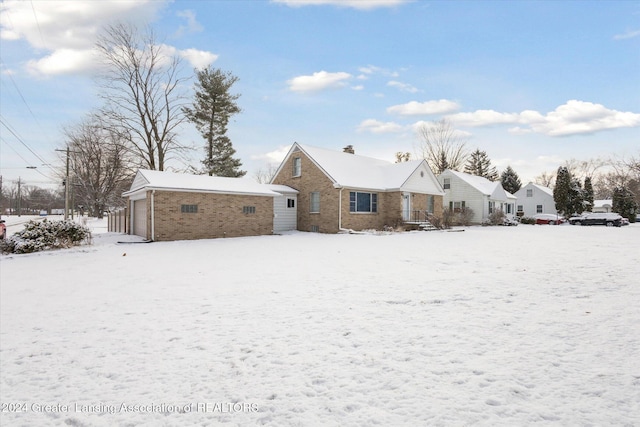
column 118, row 221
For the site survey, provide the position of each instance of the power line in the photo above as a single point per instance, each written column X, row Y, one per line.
column 13, row 132
column 19, row 92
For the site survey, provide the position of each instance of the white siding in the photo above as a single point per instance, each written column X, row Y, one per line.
column 462, row 191
column 284, row 217
column 538, row 197
column 422, row 181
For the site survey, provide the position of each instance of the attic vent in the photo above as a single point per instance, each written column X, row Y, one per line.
column 349, row 149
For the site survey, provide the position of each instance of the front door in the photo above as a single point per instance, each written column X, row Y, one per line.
column 406, row 206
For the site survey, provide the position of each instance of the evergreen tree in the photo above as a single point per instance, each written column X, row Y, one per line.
column 479, row 164
column 561, row 192
column 576, row 198
column 624, row 203
column 510, row 180
column 588, row 194
column 210, row 112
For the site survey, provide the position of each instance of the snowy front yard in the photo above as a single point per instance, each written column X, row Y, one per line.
column 493, row 326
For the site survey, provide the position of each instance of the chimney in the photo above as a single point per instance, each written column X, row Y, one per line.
column 349, row 149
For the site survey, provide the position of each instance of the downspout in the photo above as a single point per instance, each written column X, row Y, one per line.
column 340, row 209
column 153, row 217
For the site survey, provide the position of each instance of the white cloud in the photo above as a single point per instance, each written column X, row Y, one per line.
column 356, row 4
column 64, row 61
column 404, row 87
column 67, row 30
column 198, row 58
column 415, row 108
column 275, row 156
column 574, row 117
column 627, row 35
column 192, row 25
column 376, row 126
column 318, row 81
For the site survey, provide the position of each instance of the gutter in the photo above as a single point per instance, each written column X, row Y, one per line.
column 153, row 216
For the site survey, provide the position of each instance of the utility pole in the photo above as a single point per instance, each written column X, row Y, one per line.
column 66, row 186
column 19, row 197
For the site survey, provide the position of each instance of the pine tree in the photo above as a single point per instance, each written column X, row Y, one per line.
column 576, row 198
column 510, row 180
column 588, row 194
column 479, row 164
column 561, row 192
column 624, row 203
column 211, row 110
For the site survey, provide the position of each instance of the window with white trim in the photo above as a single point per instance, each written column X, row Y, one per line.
column 456, row 206
column 447, row 183
column 297, row 166
column 538, row 208
column 363, row 202
column 529, row 192
column 291, row 203
column 248, row 209
column 520, row 208
column 314, row 202
column 431, row 203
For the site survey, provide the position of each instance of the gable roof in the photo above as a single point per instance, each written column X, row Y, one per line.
column 162, row 180
column 356, row 171
column 542, row 188
column 483, row 185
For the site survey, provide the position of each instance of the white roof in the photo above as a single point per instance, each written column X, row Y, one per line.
column 356, row 171
column 603, row 203
column 162, row 180
column 483, row 185
column 541, row 188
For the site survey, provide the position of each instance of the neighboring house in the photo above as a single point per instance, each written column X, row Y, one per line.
column 343, row 190
column 602, row 205
column 535, row 199
column 482, row 196
column 174, row 206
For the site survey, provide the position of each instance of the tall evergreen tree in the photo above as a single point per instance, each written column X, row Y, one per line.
column 561, row 191
column 576, row 198
column 210, row 112
column 624, row 203
column 588, row 194
column 479, row 164
column 510, row 180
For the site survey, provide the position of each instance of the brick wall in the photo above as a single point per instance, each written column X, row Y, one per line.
column 312, row 179
column 218, row 215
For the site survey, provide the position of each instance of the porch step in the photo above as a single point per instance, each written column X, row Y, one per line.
column 426, row 226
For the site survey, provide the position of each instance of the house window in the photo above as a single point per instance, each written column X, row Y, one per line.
column 509, row 207
column 538, row 208
column 363, row 202
column 431, row 204
column 529, row 192
column 456, row 206
column 520, row 209
column 314, row 202
column 248, row 209
column 189, row 208
column 492, row 206
column 447, row 183
column 315, row 229
column 297, row 166
column 291, row 203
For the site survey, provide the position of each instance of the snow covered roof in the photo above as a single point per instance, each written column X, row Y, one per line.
column 483, row 185
column 541, row 188
column 356, row 171
column 161, row 180
column 605, row 203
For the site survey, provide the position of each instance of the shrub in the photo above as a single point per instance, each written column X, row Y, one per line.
column 527, row 220
column 497, row 217
column 42, row 235
column 465, row 216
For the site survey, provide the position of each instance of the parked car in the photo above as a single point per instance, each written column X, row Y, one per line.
column 3, row 229
column 603, row 218
column 576, row 219
column 625, row 221
column 549, row 219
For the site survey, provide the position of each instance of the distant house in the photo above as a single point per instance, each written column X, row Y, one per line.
column 535, row 199
column 174, row 206
column 605, row 205
column 342, row 190
column 482, row 196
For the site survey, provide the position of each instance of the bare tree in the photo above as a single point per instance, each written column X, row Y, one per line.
column 442, row 146
column 264, row 176
column 141, row 89
column 546, row 179
column 100, row 164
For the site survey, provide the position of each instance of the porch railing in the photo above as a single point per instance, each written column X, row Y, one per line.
column 417, row 216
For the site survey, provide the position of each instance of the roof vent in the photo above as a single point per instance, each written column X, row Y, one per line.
column 349, row 149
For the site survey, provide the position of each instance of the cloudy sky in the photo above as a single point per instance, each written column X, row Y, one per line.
column 531, row 83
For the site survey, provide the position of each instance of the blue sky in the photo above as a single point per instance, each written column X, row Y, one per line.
column 531, row 83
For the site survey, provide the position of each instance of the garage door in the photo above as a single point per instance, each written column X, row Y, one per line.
column 140, row 218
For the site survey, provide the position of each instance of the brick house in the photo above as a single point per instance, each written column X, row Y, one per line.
column 172, row 206
column 341, row 190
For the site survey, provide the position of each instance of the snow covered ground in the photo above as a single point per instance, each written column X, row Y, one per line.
column 490, row 326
